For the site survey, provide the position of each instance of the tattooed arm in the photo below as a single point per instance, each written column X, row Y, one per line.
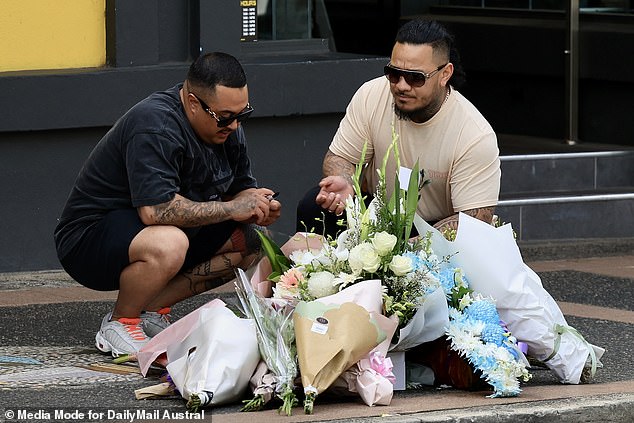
column 485, row 214
column 336, row 185
column 249, row 205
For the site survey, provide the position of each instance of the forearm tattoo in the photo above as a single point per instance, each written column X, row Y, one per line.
column 186, row 213
column 484, row 214
column 337, row 166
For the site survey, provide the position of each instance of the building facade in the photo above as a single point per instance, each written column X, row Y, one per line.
column 69, row 69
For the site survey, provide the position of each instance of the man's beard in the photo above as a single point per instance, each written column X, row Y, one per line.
column 403, row 115
column 420, row 115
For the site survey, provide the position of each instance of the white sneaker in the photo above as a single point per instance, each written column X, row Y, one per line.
column 155, row 321
column 121, row 336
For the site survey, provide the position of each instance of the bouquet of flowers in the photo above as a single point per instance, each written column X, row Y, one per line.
column 276, row 340
column 477, row 334
column 333, row 333
column 375, row 245
column 496, row 269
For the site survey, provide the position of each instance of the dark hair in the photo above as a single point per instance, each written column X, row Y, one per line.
column 216, row 68
column 421, row 31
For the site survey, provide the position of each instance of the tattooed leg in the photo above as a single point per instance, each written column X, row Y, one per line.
column 242, row 250
column 203, row 277
column 217, row 271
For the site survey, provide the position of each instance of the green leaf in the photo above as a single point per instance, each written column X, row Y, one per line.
column 412, row 201
column 279, row 262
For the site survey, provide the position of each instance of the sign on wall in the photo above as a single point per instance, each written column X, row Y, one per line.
column 249, row 20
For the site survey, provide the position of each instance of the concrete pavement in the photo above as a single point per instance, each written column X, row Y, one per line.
column 48, row 363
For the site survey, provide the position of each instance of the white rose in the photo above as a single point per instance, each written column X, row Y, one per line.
column 384, row 243
column 364, row 257
column 321, row 284
column 400, row 265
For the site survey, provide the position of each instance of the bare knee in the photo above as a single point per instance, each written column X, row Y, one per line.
column 162, row 247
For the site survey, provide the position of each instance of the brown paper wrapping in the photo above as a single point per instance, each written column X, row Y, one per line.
column 350, row 335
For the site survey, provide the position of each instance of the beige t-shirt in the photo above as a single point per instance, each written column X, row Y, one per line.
column 456, row 148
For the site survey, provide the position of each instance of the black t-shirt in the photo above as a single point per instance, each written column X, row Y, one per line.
column 150, row 154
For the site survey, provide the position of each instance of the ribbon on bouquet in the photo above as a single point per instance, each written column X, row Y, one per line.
column 559, row 330
column 380, row 364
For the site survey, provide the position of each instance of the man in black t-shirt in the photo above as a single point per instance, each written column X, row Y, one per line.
column 165, row 206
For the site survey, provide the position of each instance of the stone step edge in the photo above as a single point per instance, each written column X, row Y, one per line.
column 565, row 199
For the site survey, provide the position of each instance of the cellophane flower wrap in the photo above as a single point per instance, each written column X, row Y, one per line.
column 476, row 331
column 275, row 337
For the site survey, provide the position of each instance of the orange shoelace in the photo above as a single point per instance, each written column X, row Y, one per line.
column 131, row 326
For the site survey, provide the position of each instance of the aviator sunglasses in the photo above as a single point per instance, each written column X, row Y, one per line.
column 412, row 78
column 225, row 121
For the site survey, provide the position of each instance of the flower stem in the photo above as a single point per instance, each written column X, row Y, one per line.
column 309, row 402
column 124, row 358
column 193, row 403
column 289, row 401
column 254, row 404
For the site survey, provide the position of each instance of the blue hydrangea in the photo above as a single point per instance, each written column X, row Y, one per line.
column 446, row 278
column 483, row 310
column 486, row 363
column 493, row 333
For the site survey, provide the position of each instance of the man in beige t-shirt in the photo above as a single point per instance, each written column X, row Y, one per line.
column 436, row 125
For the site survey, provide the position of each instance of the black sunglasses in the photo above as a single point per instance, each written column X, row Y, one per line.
column 412, row 78
column 225, row 121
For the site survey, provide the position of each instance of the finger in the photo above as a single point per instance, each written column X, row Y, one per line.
column 321, row 197
column 341, row 208
column 326, row 200
column 265, row 210
column 325, row 181
column 336, row 201
column 259, row 216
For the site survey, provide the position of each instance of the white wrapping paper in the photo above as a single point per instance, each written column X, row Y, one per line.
column 428, row 323
column 217, row 358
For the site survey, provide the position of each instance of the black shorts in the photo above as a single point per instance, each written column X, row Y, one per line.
column 98, row 259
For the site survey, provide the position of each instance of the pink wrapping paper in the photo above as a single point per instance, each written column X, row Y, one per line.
column 174, row 333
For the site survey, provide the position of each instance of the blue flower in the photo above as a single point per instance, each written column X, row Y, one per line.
column 483, row 310
column 493, row 333
column 486, row 362
column 447, row 279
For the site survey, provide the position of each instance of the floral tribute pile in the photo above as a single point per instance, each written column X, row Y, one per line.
column 329, row 314
column 423, row 296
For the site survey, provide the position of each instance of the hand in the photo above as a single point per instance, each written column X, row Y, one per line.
column 254, row 206
column 333, row 193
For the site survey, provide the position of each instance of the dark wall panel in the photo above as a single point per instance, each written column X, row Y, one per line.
column 37, row 170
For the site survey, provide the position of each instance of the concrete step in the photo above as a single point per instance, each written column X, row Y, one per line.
column 568, row 196
column 566, row 174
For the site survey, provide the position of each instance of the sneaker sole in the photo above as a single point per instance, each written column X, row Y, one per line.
column 105, row 347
